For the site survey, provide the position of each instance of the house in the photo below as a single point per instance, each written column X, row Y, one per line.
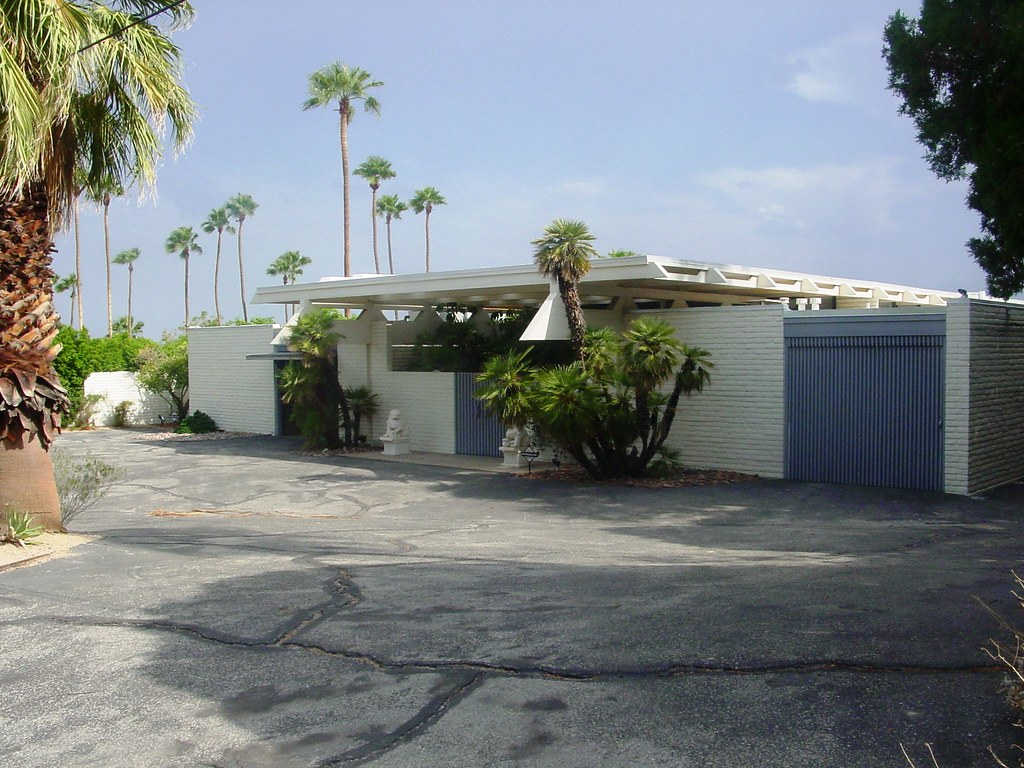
column 816, row 378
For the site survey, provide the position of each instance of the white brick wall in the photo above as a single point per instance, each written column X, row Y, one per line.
column 118, row 386
column 996, row 432
column 738, row 421
column 958, row 397
column 237, row 393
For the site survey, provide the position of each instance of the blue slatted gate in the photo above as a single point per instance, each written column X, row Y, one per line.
column 476, row 432
column 864, row 402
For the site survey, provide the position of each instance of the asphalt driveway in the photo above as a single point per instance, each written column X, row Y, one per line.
column 248, row 606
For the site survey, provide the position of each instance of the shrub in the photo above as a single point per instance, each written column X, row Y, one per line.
column 18, row 528
column 86, row 412
column 163, row 370
column 81, row 482
column 122, row 414
column 196, row 423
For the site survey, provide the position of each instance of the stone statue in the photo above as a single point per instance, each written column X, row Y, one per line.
column 513, row 438
column 396, row 429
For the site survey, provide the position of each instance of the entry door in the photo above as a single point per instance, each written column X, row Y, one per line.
column 865, row 410
column 476, row 432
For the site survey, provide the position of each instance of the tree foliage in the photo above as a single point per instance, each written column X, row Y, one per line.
column 959, row 70
column 81, row 355
column 612, row 412
column 163, row 370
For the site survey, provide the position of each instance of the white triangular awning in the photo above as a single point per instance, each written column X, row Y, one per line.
column 549, row 324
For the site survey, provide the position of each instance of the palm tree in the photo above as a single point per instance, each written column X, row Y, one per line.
column 102, row 108
column 312, row 383
column 340, row 83
column 79, row 187
column 391, row 208
column 375, row 170
column 100, row 193
column 69, row 283
column 127, row 258
column 564, row 252
column 423, row 201
column 288, row 266
column 184, row 241
column 217, row 221
column 239, row 208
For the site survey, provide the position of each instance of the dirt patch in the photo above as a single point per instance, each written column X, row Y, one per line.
column 682, row 479
column 43, row 547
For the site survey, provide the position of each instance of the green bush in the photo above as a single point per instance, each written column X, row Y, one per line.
column 196, row 423
column 86, row 410
column 122, row 414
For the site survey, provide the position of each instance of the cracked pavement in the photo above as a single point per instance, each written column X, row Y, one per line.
column 249, row 606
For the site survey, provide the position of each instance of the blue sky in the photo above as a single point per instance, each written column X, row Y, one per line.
column 734, row 132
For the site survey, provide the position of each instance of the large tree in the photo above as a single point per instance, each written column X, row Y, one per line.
column 240, row 207
column 101, row 193
column 128, row 258
column 423, row 201
column 959, row 70
column 375, row 170
column 391, row 208
column 340, row 84
column 217, row 221
column 564, row 253
column 87, row 85
column 184, row 241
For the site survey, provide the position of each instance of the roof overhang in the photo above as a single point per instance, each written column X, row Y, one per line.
column 636, row 278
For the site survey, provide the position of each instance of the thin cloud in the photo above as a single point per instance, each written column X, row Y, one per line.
column 841, row 71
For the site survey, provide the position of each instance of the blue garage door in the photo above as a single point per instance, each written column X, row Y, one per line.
column 865, row 409
column 476, row 432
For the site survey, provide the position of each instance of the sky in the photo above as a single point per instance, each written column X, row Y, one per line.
column 757, row 134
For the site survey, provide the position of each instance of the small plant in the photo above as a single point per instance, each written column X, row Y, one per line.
column 81, row 482
column 196, row 423
column 87, row 411
column 19, row 528
column 121, row 416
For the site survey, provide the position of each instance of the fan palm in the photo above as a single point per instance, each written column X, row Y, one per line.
column 87, row 85
column 423, row 201
column 69, row 283
column 564, row 253
column 217, row 221
column 128, row 258
column 240, row 207
column 184, row 241
column 339, row 83
column 391, row 208
column 312, row 383
column 375, row 170
column 101, row 193
column 288, row 266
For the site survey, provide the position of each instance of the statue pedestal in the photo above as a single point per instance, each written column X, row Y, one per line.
column 512, row 457
column 396, row 447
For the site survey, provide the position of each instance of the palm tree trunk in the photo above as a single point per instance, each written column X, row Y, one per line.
column 131, row 269
column 187, row 315
column 373, row 217
column 78, row 264
column 106, row 247
column 573, row 315
column 343, row 112
column 241, row 271
column 426, row 230
column 28, row 484
column 216, row 277
column 391, row 260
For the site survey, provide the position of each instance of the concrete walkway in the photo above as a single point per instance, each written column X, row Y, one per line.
column 248, row 606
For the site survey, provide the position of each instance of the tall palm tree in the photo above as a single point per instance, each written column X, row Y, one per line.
column 69, row 283
column 564, row 252
column 77, row 93
column 288, row 266
column 79, row 188
column 240, row 207
column 184, row 241
column 101, row 193
column 128, row 258
column 339, row 83
column 217, row 221
column 423, row 201
column 375, row 170
column 391, row 208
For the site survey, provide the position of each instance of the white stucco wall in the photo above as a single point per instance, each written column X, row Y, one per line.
column 116, row 387
column 738, row 421
column 237, row 393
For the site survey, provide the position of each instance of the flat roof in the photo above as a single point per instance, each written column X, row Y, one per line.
column 637, row 277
